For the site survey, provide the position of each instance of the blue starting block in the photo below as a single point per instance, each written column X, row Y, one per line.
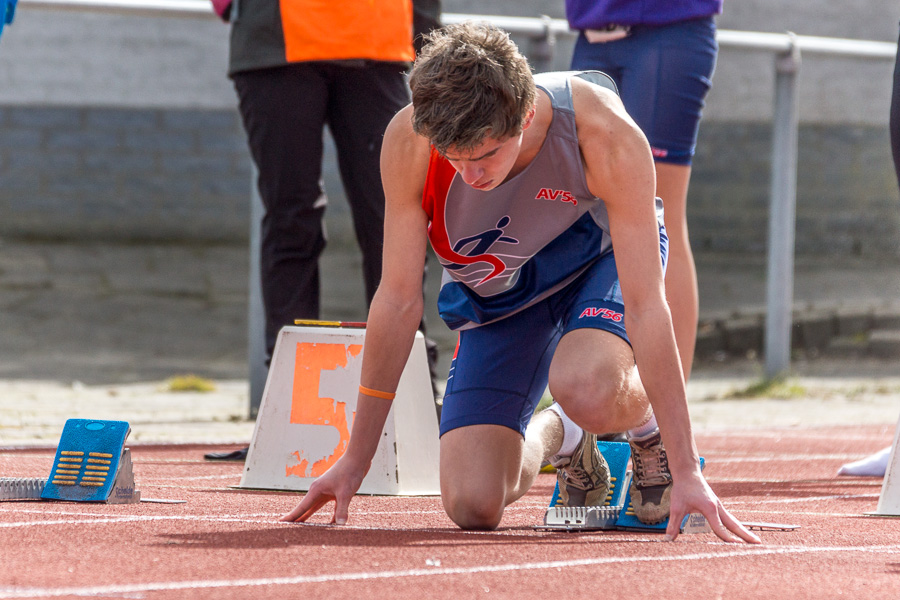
column 617, row 513
column 616, row 455
column 92, row 464
column 628, row 520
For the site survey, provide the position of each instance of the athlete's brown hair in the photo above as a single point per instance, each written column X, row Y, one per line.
column 469, row 83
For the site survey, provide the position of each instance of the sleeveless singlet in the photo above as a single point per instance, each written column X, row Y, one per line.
column 505, row 249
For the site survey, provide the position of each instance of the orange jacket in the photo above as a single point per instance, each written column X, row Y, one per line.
column 347, row 29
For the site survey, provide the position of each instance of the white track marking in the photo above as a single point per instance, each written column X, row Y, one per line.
column 800, row 500
column 34, row 592
column 793, row 433
column 734, row 457
column 843, row 481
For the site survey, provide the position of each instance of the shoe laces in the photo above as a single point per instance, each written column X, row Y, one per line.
column 582, row 477
column 651, row 465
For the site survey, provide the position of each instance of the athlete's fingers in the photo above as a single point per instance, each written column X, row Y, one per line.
column 738, row 527
column 674, row 526
column 719, row 528
column 310, row 504
column 341, row 509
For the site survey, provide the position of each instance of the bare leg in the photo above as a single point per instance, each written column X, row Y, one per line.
column 604, row 395
column 485, row 468
column 681, row 274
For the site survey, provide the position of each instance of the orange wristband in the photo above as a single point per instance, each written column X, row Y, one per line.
column 377, row 394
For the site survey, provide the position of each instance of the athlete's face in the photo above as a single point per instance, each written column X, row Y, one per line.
column 489, row 164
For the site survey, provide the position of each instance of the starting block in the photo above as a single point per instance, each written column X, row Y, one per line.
column 617, row 513
column 92, row 464
column 693, row 523
column 307, row 411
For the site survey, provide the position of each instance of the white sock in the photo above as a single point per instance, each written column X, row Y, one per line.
column 870, row 466
column 571, row 432
column 644, row 430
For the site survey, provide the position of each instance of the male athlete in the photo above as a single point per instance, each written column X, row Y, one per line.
column 537, row 195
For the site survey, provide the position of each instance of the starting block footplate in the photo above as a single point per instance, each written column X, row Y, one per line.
column 92, row 464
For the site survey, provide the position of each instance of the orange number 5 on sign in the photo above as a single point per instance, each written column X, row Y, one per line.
column 309, row 408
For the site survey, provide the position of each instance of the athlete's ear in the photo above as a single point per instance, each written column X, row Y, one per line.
column 529, row 118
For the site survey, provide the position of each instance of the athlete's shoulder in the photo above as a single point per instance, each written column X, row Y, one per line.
column 404, row 159
column 400, row 135
column 403, row 147
column 608, row 137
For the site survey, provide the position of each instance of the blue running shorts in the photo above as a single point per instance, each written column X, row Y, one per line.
column 500, row 370
column 663, row 74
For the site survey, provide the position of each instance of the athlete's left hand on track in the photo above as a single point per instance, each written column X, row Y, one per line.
column 339, row 483
column 695, row 496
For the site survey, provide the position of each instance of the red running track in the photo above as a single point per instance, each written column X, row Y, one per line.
column 225, row 543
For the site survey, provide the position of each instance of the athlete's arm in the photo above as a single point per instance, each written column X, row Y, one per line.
column 394, row 315
column 619, row 169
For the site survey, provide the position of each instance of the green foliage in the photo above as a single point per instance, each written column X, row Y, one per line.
column 189, row 383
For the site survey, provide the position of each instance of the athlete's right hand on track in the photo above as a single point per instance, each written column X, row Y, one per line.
column 339, row 483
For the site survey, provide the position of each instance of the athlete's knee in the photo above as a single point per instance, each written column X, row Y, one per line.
column 591, row 396
column 473, row 511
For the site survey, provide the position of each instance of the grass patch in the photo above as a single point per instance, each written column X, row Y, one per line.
column 189, row 383
column 779, row 388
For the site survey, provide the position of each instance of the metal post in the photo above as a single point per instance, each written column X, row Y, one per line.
column 782, row 214
column 543, row 47
column 256, row 321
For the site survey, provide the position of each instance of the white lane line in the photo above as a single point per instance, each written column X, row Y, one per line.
column 733, row 457
column 274, row 519
column 809, row 499
column 843, row 482
column 132, row 519
column 124, row 588
column 788, row 434
column 146, row 478
column 804, row 513
column 260, row 518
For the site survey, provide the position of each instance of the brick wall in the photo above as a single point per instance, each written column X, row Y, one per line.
column 847, row 197
column 132, row 174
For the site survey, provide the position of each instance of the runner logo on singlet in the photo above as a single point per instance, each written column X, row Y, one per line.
column 479, row 244
column 561, row 195
column 594, row 311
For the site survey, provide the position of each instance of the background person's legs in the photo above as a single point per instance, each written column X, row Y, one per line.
column 663, row 74
column 876, row 464
column 363, row 100
column 283, row 111
column 681, row 273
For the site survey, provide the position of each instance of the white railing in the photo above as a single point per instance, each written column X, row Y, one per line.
column 544, row 31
